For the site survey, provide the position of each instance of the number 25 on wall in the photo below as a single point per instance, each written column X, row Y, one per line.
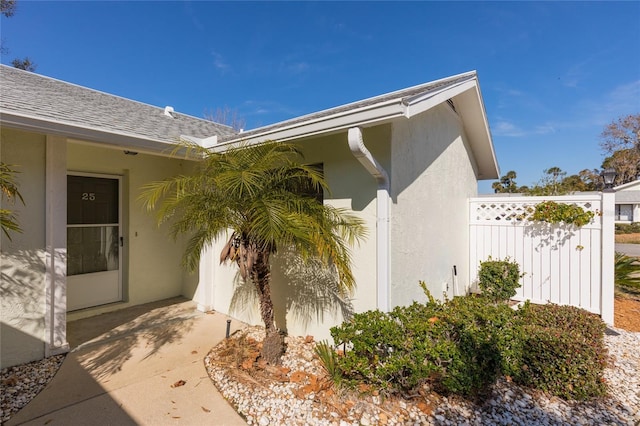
column 88, row 196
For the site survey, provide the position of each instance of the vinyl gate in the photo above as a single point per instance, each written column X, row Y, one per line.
column 562, row 264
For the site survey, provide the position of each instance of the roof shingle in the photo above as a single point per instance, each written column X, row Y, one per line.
column 28, row 94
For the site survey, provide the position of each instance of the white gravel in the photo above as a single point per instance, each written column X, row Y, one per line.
column 280, row 403
column 21, row 383
column 508, row 404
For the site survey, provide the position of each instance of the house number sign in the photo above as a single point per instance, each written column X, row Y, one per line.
column 88, row 196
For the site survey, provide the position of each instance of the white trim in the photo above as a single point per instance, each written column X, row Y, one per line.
column 425, row 102
column 90, row 134
column 608, row 256
column 469, row 106
column 377, row 112
column 120, row 226
column 627, row 185
column 368, row 115
column 55, row 247
column 209, row 142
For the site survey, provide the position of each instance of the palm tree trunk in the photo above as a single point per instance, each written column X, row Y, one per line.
column 273, row 345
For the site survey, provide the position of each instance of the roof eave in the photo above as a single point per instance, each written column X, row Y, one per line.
column 470, row 107
column 471, row 104
column 371, row 114
column 377, row 113
column 119, row 140
column 627, row 185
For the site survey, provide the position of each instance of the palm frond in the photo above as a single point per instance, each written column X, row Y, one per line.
column 262, row 193
column 9, row 191
column 9, row 222
column 627, row 271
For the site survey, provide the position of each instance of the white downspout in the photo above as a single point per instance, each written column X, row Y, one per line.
column 362, row 154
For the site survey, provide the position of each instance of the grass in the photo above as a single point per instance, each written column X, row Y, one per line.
column 628, row 238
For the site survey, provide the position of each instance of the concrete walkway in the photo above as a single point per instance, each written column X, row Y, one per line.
column 629, row 249
column 127, row 368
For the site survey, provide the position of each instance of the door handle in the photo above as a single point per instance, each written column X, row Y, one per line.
column 121, row 241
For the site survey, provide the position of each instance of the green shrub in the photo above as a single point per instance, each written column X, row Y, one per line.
column 628, row 228
column 499, row 279
column 563, row 351
column 458, row 347
column 365, row 333
column 488, row 341
column 461, row 346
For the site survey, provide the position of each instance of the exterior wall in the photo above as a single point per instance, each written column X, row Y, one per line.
column 33, row 285
column 152, row 269
column 303, row 296
column 22, row 260
column 432, row 177
column 629, row 194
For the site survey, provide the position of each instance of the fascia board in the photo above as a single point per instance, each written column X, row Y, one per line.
column 376, row 113
column 329, row 124
column 85, row 133
column 471, row 108
column 424, row 102
column 627, row 185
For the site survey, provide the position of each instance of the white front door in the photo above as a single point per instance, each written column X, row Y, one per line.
column 94, row 239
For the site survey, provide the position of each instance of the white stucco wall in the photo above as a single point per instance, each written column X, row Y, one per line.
column 432, row 177
column 152, row 269
column 22, row 267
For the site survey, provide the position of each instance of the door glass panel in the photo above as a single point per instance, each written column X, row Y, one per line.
column 92, row 249
column 92, row 200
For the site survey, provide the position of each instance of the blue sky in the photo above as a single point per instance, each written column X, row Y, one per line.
column 552, row 74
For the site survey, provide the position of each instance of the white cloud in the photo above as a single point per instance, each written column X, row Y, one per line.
column 254, row 107
column 509, row 129
column 295, row 67
column 544, row 129
column 505, row 128
column 621, row 100
column 219, row 62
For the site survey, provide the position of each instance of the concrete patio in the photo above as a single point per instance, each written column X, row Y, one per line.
column 124, row 365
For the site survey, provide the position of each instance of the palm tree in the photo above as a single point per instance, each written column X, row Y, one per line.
column 263, row 195
column 9, row 191
column 627, row 271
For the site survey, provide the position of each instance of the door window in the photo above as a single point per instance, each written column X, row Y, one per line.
column 93, row 225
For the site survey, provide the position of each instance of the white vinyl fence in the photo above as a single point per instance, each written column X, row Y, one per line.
column 562, row 264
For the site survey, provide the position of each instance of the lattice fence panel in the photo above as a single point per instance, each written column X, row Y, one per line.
column 562, row 264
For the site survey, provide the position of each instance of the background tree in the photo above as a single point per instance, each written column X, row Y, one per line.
column 9, row 192
column 591, row 179
column 24, row 64
column 506, row 184
column 627, row 165
column 621, row 140
column 227, row 116
column 266, row 198
column 550, row 183
column 8, row 9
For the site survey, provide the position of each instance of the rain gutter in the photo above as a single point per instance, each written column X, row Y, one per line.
column 362, row 154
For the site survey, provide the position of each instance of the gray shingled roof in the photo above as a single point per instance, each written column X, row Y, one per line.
column 403, row 95
column 46, row 99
